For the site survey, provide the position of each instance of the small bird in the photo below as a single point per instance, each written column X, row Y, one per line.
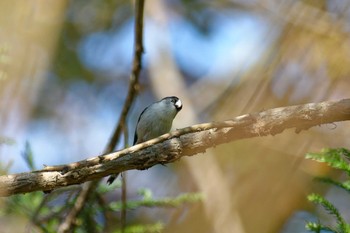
column 155, row 120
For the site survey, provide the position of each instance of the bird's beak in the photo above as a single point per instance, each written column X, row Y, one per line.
column 178, row 105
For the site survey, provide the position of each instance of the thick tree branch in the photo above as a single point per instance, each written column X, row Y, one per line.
column 184, row 142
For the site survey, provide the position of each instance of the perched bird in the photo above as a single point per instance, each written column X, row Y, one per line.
column 155, row 120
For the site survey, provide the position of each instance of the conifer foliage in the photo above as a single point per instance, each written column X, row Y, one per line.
column 339, row 159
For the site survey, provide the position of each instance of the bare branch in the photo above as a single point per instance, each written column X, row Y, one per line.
column 184, row 142
column 135, row 73
column 83, row 196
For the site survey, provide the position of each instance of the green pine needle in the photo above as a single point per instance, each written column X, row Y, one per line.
column 27, row 155
column 154, row 228
column 165, row 202
column 337, row 158
column 318, row 228
column 343, row 185
column 330, row 208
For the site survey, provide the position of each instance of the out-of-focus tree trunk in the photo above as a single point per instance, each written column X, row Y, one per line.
column 205, row 171
column 28, row 35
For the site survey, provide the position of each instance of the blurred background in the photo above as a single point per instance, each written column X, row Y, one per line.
column 64, row 73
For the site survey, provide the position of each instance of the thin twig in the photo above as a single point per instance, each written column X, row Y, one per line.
column 135, row 73
column 132, row 91
column 124, row 188
column 124, row 204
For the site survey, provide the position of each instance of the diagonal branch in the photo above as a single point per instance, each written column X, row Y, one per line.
column 184, row 142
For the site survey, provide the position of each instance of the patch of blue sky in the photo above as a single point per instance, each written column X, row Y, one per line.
column 236, row 41
column 108, row 50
